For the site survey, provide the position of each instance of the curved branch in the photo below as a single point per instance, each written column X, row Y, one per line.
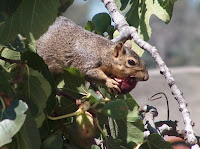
column 125, row 32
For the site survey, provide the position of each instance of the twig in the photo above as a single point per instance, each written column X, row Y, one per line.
column 11, row 61
column 125, row 31
column 65, row 94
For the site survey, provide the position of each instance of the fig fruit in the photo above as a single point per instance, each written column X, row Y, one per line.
column 82, row 131
column 127, row 84
column 85, row 125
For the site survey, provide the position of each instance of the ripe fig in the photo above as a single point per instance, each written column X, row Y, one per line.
column 127, row 84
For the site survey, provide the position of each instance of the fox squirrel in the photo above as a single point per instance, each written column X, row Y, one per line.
column 100, row 60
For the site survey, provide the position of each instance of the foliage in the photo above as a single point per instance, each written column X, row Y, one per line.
column 139, row 13
column 101, row 23
column 77, row 116
column 27, row 17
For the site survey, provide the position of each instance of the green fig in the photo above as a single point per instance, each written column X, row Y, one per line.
column 82, row 131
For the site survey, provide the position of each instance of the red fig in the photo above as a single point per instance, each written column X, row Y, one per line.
column 127, row 84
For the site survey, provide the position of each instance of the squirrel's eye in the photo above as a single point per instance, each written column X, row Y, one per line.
column 131, row 62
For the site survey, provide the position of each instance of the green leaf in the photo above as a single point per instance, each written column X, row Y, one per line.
column 33, row 16
column 53, row 142
column 90, row 26
column 95, row 147
column 73, row 77
column 66, row 107
column 101, row 22
column 9, row 54
column 117, row 109
column 130, row 128
column 94, row 96
column 37, row 63
column 50, row 127
column 30, row 44
column 11, row 120
column 7, row 8
column 110, row 30
column 123, row 5
column 154, row 141
column 115, row 143
column 4, row 81
column 74, row 81
column 28, row 136
column 141, row 10
column 36, row 90
column 74, row 85
column 44, row 129
column 69, row 146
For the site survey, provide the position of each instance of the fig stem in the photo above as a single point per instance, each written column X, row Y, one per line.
column 96, row 103
column 77, row 112
column 106, row 99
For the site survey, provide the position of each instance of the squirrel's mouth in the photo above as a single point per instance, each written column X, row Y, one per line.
column 127, row 84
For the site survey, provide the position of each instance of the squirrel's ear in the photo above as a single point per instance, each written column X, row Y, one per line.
column 118, row 49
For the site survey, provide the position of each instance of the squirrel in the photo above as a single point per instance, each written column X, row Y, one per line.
column 100, row 60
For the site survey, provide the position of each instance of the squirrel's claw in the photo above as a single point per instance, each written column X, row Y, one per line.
column 114, row 91
column 112, row 86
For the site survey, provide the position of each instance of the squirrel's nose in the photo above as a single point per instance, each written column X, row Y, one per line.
column 146, row 76
column 142, row 75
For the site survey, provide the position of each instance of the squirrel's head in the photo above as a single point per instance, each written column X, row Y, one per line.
column 128, row 67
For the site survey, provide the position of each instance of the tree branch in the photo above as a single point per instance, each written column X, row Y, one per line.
column 125, row 31
column 65, row 94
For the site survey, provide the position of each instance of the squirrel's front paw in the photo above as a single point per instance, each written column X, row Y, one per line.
column 112, row 86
